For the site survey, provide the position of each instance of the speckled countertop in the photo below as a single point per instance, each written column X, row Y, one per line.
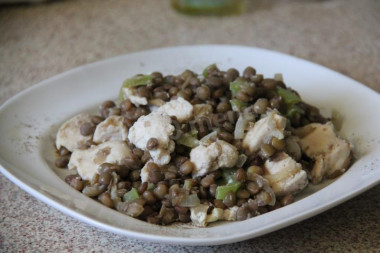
column 42, row 40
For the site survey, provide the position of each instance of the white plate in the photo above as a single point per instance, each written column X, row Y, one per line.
column 28, row 122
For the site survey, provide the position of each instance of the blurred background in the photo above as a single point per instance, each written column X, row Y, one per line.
column 39, row 39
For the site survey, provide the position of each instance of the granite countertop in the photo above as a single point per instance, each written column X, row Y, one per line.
column 41, row 40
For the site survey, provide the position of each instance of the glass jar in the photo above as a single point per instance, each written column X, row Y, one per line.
column 209, row 7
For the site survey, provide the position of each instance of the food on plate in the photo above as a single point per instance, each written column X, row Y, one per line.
column 200, row 148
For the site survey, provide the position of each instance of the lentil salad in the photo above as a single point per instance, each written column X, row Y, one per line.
column 200, row 148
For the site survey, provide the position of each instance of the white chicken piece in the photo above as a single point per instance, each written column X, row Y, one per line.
column 332, row 154
column 285, row 175
column 111, row 129
column 273, row 125
column 200, row 110
column 161, row 156
column 144, row 172
column 198, row 215
column 215, row 215
column 200, row 218
column 130, row 93
column 230, row 213
column 69, row 135
column 208, row 158
column 180, row 108
column 87, row 161
column 154, row 125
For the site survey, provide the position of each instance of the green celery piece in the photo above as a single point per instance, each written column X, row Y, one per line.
column 189, row 139
column 221, row 191
column 292, row 110
column 207, row 69
column 237, row 105
column 289, row 97
column 131, row 195
column 135, row 81
column 235, row 86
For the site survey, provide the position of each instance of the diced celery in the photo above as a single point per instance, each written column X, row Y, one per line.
column 235, row 87
column 293, row 110
column 237, row 105
column 131, row 195
column 289, row 97
column 208, row 68
column 189, row 139
column 221, row 191
column 133, row 82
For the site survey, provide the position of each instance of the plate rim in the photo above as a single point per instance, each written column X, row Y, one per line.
column 159, row 238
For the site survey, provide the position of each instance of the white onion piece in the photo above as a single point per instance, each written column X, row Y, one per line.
column 190, row 201
column 241, row 160
column 210, row 137
column 241, row 125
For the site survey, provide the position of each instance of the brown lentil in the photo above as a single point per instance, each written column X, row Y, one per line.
column 105, row 199
column 152, row 144
column 223, row 107
column 240, row 175
column 267, row 150
column 207, row 180
column 134, row 175
column 203, row 92
column 253, row 188
column 278, row 144
column 249, row 72
column 124, row 185
column 261, row 105
column 87, row 129
column 186, row 167
column 105, row 178
column 75, row 181
column 63, row 151
column 226, row 136
column 287, row 200
column 62, row 161
column 230, row 199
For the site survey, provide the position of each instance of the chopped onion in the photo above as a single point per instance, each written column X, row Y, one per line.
column 241, row 160
column 263, row 183
column 278, row 77
column 241, row 125
column 190, row 201
column 210, row 137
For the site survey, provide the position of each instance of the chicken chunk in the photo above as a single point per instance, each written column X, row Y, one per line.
column 87, row 161
column 202, row 110
column 285, row 175
column 144, row 172
column 179, row 108
column 130, row 93
column 111, row 129
column 200, row 218
column 230, row 213
column 273, row 125
column 154, row 125
column 198, row 215
column 332, row 154
column 208, row 158
column 69, row 135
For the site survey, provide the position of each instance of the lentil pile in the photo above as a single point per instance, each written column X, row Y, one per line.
column 222, row 145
